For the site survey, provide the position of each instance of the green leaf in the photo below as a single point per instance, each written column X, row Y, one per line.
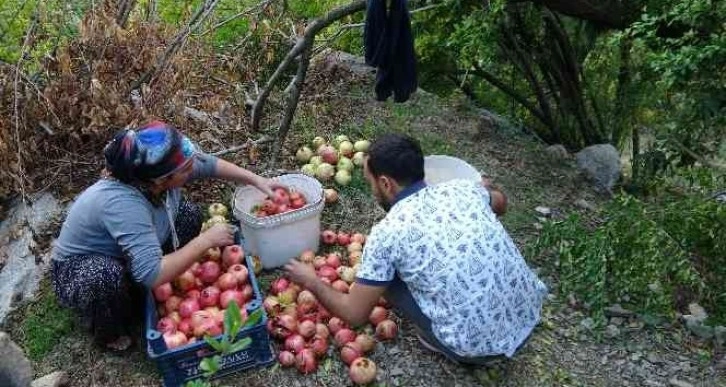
column 240, row 345
column 232, row 320
column 254, row 318
column 214, row 343
column 210, row 365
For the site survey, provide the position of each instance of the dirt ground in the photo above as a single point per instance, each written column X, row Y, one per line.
column 562, row 352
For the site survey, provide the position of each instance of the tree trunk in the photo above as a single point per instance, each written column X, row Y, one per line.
column 611, row 14
column 124, row 10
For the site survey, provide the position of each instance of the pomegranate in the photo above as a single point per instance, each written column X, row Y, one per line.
column 240, row 273
column 174, row 339
column 331, row 195
column 214, row 253
column 358, row 238
column 286, row 358
column 377, row 315
column 358, row 159
column 209, row 327
column 383, row 302
column 340, row 286
column 323, row 314
column 304, row 154
column 306, row 297
column 319, row 262
column 328, row 154
column 269, row 207
column 286, row 321
column 346, row 273
column 343, row 177
column 175, row 316
column 321, row 331
column 325, row 171
column 199, row 317
column 344, row 336
column 187, row 307
column 346, row 149
column 195, row 268
column 281, row 196
column 272, row 306
column 346, row 163
column 354, row 257
column 326, row 280
column 186, row 281
column 163, row 292
column 328, row 272
column 287, row 296
column 295, row 343
column 307, row 257
column 306, row 329
column 247, row 292
column 362, row 145
column 229, row 296
column 210, row 271
column 166, row 324
column 194, row 293
column 279, row 285
column 318, row 142
column 336, row 324
column 343, row 239
column 333, row 260
column 305, row 309
column 209, row 296
column 172, row 304
column 227, row 281
column 350, row 352
column 297, row 203
column 386, row 330
column 362, row 371
column 329, row 237
column 185, row 326
column 290, row 310
column 355, row 246
column 319, row 346
column 366, row 342
column 232, row 255
column 305, row 361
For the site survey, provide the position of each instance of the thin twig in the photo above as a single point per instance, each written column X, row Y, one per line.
column 16, row 109
column 235, row 16
column 237, row 148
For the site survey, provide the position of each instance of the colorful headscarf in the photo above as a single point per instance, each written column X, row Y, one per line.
column 154, row 150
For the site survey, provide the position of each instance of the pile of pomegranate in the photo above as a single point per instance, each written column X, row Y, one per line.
column 305, row 330
column 283, row 200
column 336, row 161
column 193, row 305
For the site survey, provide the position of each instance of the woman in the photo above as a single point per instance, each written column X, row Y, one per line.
column 132, row 227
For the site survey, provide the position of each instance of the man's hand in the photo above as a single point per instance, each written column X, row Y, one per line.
column 300, row 273
column 497, row 199
column 267, row 185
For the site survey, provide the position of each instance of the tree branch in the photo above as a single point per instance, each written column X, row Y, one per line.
column 124, row 10
column 238, row 15
column 302, row 44
column 162, row 62
column 612, row 14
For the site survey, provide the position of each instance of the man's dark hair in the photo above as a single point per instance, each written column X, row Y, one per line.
column 397, row 156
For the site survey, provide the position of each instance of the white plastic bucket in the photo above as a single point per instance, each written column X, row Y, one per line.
column 441, row 168
column 278, row 238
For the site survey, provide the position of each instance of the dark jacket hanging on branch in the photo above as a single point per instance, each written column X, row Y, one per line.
column 389, row 47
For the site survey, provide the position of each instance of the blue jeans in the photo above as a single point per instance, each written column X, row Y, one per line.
column 398, row 294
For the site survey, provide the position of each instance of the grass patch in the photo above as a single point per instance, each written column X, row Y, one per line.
column 45, row 323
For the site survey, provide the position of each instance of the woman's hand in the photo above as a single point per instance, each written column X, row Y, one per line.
column 268, row 185
column 219, row 235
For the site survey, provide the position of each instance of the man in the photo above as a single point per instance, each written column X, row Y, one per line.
column 441, row 257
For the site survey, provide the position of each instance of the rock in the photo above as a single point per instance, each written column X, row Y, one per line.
column 588, row 323
column 720, row 334
column 15, row 368
column 617, row 311
column 697, row 328
column 557, row 152
column 612, row 331
column 617, row 321
column 652, row 383
column 601, row 164
column 679, row 383
column 22, row 271
column 545, row 211
column 56, row 379
column 585, row 205
column 697, row 312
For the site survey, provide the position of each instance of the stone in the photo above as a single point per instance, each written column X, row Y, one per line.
column 588, row 323
column 56, row 379
column 679, row 383
column 22, row 271
column 585, row 205
column 557, row 152
column 545, row 211
column 15, row 368
column 601, row 164
column 720, row 333
column 612, row 331
column 617, row 321
column 697, row 328
column 697, row 312
column 618, row 311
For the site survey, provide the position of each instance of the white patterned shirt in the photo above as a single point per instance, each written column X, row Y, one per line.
column 461, row 266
